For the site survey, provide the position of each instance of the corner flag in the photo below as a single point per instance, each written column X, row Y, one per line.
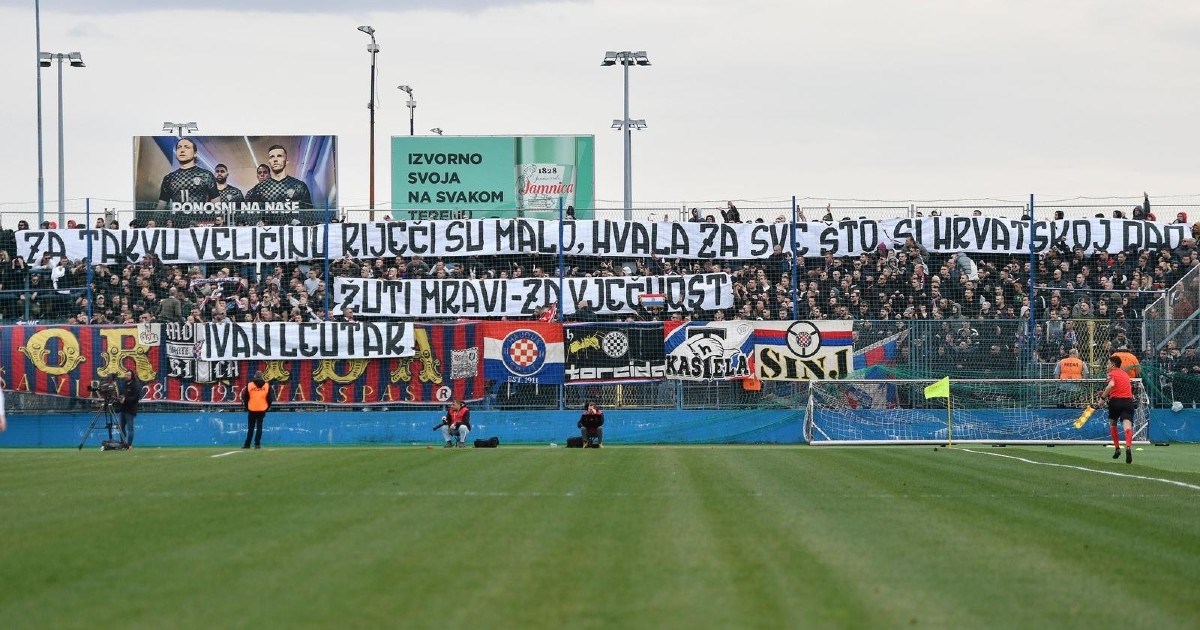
column 940, row 389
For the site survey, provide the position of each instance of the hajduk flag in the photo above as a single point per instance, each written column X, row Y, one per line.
column 653, row 300
column 523, row 352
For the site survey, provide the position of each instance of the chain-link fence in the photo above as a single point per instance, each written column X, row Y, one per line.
column 1016, row 315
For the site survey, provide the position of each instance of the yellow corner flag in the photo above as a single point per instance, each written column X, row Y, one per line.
column 940, row 389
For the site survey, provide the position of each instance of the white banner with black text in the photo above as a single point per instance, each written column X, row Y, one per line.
column 309, row 340
column 491, row 237
column 522, row 297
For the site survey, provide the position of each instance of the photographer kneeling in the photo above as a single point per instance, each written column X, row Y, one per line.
column 456, row 424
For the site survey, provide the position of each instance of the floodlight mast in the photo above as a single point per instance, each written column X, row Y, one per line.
column 412, row 107
column 627, row 58
column 372, row 48
column 75, row 60
column 180, row 128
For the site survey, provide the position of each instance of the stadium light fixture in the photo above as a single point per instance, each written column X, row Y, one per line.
column 627, row 58
column 372, row 48
column 412, row 107
column 180, row 128
column 75, row 60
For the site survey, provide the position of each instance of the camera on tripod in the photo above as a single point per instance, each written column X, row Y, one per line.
column 106, row 391
column 107, row 395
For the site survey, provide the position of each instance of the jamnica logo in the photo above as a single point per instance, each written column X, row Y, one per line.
column 533, row 188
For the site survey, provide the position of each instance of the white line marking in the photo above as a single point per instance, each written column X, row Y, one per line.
column 224, row 454
column 1091, row 470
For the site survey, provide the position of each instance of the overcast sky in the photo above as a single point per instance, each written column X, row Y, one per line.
column 752, row 100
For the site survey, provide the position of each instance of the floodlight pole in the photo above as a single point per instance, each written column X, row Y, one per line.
column 62, row 178
column 412, row 108
column 41, row 170
column 372, row 48
column 628, row 133
column 44, row 60
column 627, row 58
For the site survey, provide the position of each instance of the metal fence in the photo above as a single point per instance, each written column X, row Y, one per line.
column 1003, row 345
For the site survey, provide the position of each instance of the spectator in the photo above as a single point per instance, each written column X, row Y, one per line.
column 730, row 214
column 456, row 424
column 1071, row 368
column 591, row 426
column 257, row 400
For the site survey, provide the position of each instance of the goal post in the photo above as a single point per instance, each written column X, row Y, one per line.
column 991, row 411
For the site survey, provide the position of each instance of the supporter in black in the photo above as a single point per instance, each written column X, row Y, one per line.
column 730, row 214
column 584, row 312
column 130, row 395
column 591, row 426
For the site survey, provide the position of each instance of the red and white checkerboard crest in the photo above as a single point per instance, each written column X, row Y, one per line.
column 523, row 352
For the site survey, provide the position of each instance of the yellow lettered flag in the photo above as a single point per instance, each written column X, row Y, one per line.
column 940, row 389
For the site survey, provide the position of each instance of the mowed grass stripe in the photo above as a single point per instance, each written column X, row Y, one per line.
column 1003, row 524
column 644, row 537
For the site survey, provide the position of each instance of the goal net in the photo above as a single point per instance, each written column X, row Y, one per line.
column 1000, row 411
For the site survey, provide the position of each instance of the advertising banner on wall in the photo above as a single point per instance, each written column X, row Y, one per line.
column 446, row 362
column 462, row 177
column 203, row 180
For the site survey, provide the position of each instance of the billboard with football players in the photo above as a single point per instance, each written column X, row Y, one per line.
column 230, row 180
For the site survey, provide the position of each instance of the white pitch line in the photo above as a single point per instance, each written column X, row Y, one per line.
column 224, row 454
column 1091, row 470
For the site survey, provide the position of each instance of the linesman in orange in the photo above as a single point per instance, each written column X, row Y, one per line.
column 257, row 399
column 1071, row 368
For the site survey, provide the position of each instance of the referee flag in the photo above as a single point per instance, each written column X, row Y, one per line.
column 1083, row 417
column 940, row 389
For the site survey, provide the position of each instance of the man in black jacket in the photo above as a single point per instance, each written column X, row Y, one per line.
column 591, row 426
column 131, row 395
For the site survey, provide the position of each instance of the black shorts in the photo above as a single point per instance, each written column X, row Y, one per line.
column 1121, row 409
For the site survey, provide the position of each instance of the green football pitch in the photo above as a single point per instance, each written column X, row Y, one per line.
column 645, row 537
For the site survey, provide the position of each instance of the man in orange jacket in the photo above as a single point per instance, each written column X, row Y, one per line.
column 1129, row 362
column 257, row 400
column 1071, row 368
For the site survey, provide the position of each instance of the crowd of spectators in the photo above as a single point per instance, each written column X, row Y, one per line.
column 980, row 303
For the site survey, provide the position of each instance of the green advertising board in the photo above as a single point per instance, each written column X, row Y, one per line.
column 444, row 177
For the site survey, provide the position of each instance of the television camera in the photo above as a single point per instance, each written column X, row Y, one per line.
column 108, row 396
